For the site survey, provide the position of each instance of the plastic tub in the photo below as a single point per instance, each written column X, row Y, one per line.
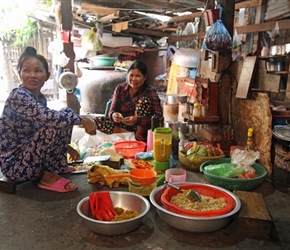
column 203, row 190
column 234, row 183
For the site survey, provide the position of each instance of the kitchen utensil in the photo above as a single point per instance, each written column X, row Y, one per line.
column 282, row 135
column 190, row 194
column 138, row 176
column 68, row 80
column 206, row 191
column 122, row 199
column 102, row 61
column 175, row 175
column 162, row 141
column 128, row 149
column 187, row 57
column 193, row 223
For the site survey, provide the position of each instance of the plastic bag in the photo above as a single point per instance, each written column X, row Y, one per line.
column 227, row 170
column 92, row 141
column 273, row 34
column 245, row 159
column 90, row 41
column 217, row 38
column 237, row 39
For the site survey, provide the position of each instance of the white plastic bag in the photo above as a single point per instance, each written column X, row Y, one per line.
column 92, row 141
column 245, row 159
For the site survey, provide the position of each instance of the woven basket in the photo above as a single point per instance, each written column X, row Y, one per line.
column 194, row 163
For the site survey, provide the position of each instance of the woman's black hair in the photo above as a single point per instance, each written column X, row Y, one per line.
column 31, row 52
column 141, row 66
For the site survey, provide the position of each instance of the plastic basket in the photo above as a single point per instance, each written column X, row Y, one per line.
column 211, row 191
column 128, row 149
column 194, row 163
column 233, row 183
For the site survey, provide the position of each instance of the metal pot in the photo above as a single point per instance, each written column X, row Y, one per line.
column 282, row 135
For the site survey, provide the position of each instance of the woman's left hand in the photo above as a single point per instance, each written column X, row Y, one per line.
column 130, row 120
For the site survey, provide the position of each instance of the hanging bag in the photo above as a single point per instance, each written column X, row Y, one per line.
column 217, row 38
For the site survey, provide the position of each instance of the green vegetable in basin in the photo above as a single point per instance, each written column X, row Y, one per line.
column 228, row 170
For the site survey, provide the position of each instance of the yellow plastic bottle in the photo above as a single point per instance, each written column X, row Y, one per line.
column 250, row 139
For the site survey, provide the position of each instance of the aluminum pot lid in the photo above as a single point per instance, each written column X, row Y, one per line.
column 282, row 132
column 187, row 57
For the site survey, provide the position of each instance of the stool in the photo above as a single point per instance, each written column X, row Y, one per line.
column 7, row 185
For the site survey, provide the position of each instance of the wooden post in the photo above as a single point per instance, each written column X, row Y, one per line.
column 66, row 24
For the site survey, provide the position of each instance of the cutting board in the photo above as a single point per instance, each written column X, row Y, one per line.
column 246, row 76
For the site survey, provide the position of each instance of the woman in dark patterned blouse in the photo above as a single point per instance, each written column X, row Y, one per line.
column 133, row 105
column 34, row 138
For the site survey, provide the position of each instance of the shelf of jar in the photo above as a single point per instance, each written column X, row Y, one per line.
column 200, row 119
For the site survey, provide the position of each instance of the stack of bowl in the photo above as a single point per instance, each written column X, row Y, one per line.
column 200, row 224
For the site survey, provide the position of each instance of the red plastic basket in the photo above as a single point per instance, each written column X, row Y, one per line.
column 203, row 190
column 128, row 149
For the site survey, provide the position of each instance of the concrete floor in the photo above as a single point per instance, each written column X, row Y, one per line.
column 34, row 218
column 38, row 219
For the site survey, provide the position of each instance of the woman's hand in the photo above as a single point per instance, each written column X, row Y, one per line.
column 130, row 120
column 117, row 117
column 89, row 125
column 73, row 154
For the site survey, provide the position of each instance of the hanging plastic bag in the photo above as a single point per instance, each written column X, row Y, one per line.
column 237, row 39
column 273, row 34
column 217, row 38
column 90, row 41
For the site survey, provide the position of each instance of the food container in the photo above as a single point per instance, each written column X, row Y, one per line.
column 282, row 135
column 102, row 61
column 210, row 190
column 192, row 223
column 142, row 189
column 126, row 200
column 234, row 183
column 141, row 177
column 128, row 149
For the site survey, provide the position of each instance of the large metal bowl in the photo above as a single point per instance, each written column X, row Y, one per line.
column 191, row 223
column 122, row 199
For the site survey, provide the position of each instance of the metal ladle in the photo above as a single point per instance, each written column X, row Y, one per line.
column 190, row 194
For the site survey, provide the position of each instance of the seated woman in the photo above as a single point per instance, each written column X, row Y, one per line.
column 34, row 138
column 133, row 105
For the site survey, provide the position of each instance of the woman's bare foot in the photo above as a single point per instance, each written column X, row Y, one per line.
column 49, row 179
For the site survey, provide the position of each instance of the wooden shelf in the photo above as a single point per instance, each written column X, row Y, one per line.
column 273, row 57
column 278, row 72
column 200, row 119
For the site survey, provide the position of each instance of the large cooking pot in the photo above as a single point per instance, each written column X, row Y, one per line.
column 282, row 135
column 187, row 57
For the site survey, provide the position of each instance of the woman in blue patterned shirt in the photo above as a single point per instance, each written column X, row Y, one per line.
column 34, row 138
